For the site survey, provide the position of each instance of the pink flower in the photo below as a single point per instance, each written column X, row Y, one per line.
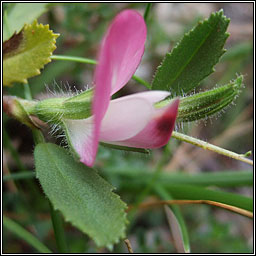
column 132, row 120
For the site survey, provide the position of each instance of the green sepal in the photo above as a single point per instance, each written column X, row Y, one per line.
column 205, row 104
column 53, row 110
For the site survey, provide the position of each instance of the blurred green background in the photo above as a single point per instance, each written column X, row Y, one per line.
column 81, row 27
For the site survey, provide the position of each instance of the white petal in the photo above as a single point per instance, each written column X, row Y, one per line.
column 79, row 134
column 151, row 96
column 125, row 117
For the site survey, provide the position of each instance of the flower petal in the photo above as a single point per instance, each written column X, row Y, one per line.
column 157, row 132
column 120, row 54
column 151, row 96
column 125, row 43
column 125, row 117
column 80, row 136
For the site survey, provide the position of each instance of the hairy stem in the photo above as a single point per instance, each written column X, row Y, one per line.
column 208, row 146
column 146, row 13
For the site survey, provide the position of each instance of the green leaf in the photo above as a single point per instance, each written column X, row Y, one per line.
column 137, row 178
column 83, row 197
column 26, row 52
column 18, row 15
column 24, row 235
column 205, row 104
column 194, row 57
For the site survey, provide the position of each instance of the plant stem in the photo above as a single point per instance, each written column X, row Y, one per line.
column 209, row 202
column 75, row 59
column 141, row 81
column 146, row 13
column 94, row 62
column 24, row 234
column 58, row 230
column 128, row 245
column 208, row 146
column 188, row 192
column 27, row 92
column 19, row 176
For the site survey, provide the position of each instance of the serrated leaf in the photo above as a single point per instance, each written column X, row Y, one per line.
column 194, row 57
column 19, row 14
column 25, row 53
column 83, row 197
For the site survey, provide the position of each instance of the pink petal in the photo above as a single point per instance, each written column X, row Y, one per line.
column 157, row 132
column 120, row 54
column 125, row 43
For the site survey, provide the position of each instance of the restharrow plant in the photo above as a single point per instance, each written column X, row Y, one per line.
column 132, row 120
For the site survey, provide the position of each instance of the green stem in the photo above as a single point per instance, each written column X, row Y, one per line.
column 146, row 13
column 75, row 59
column 208, row 146
column 19, row 176
column 94, row 62
column 24, row 234
column 59, row 232
column 27, row 92
column 141, row 81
